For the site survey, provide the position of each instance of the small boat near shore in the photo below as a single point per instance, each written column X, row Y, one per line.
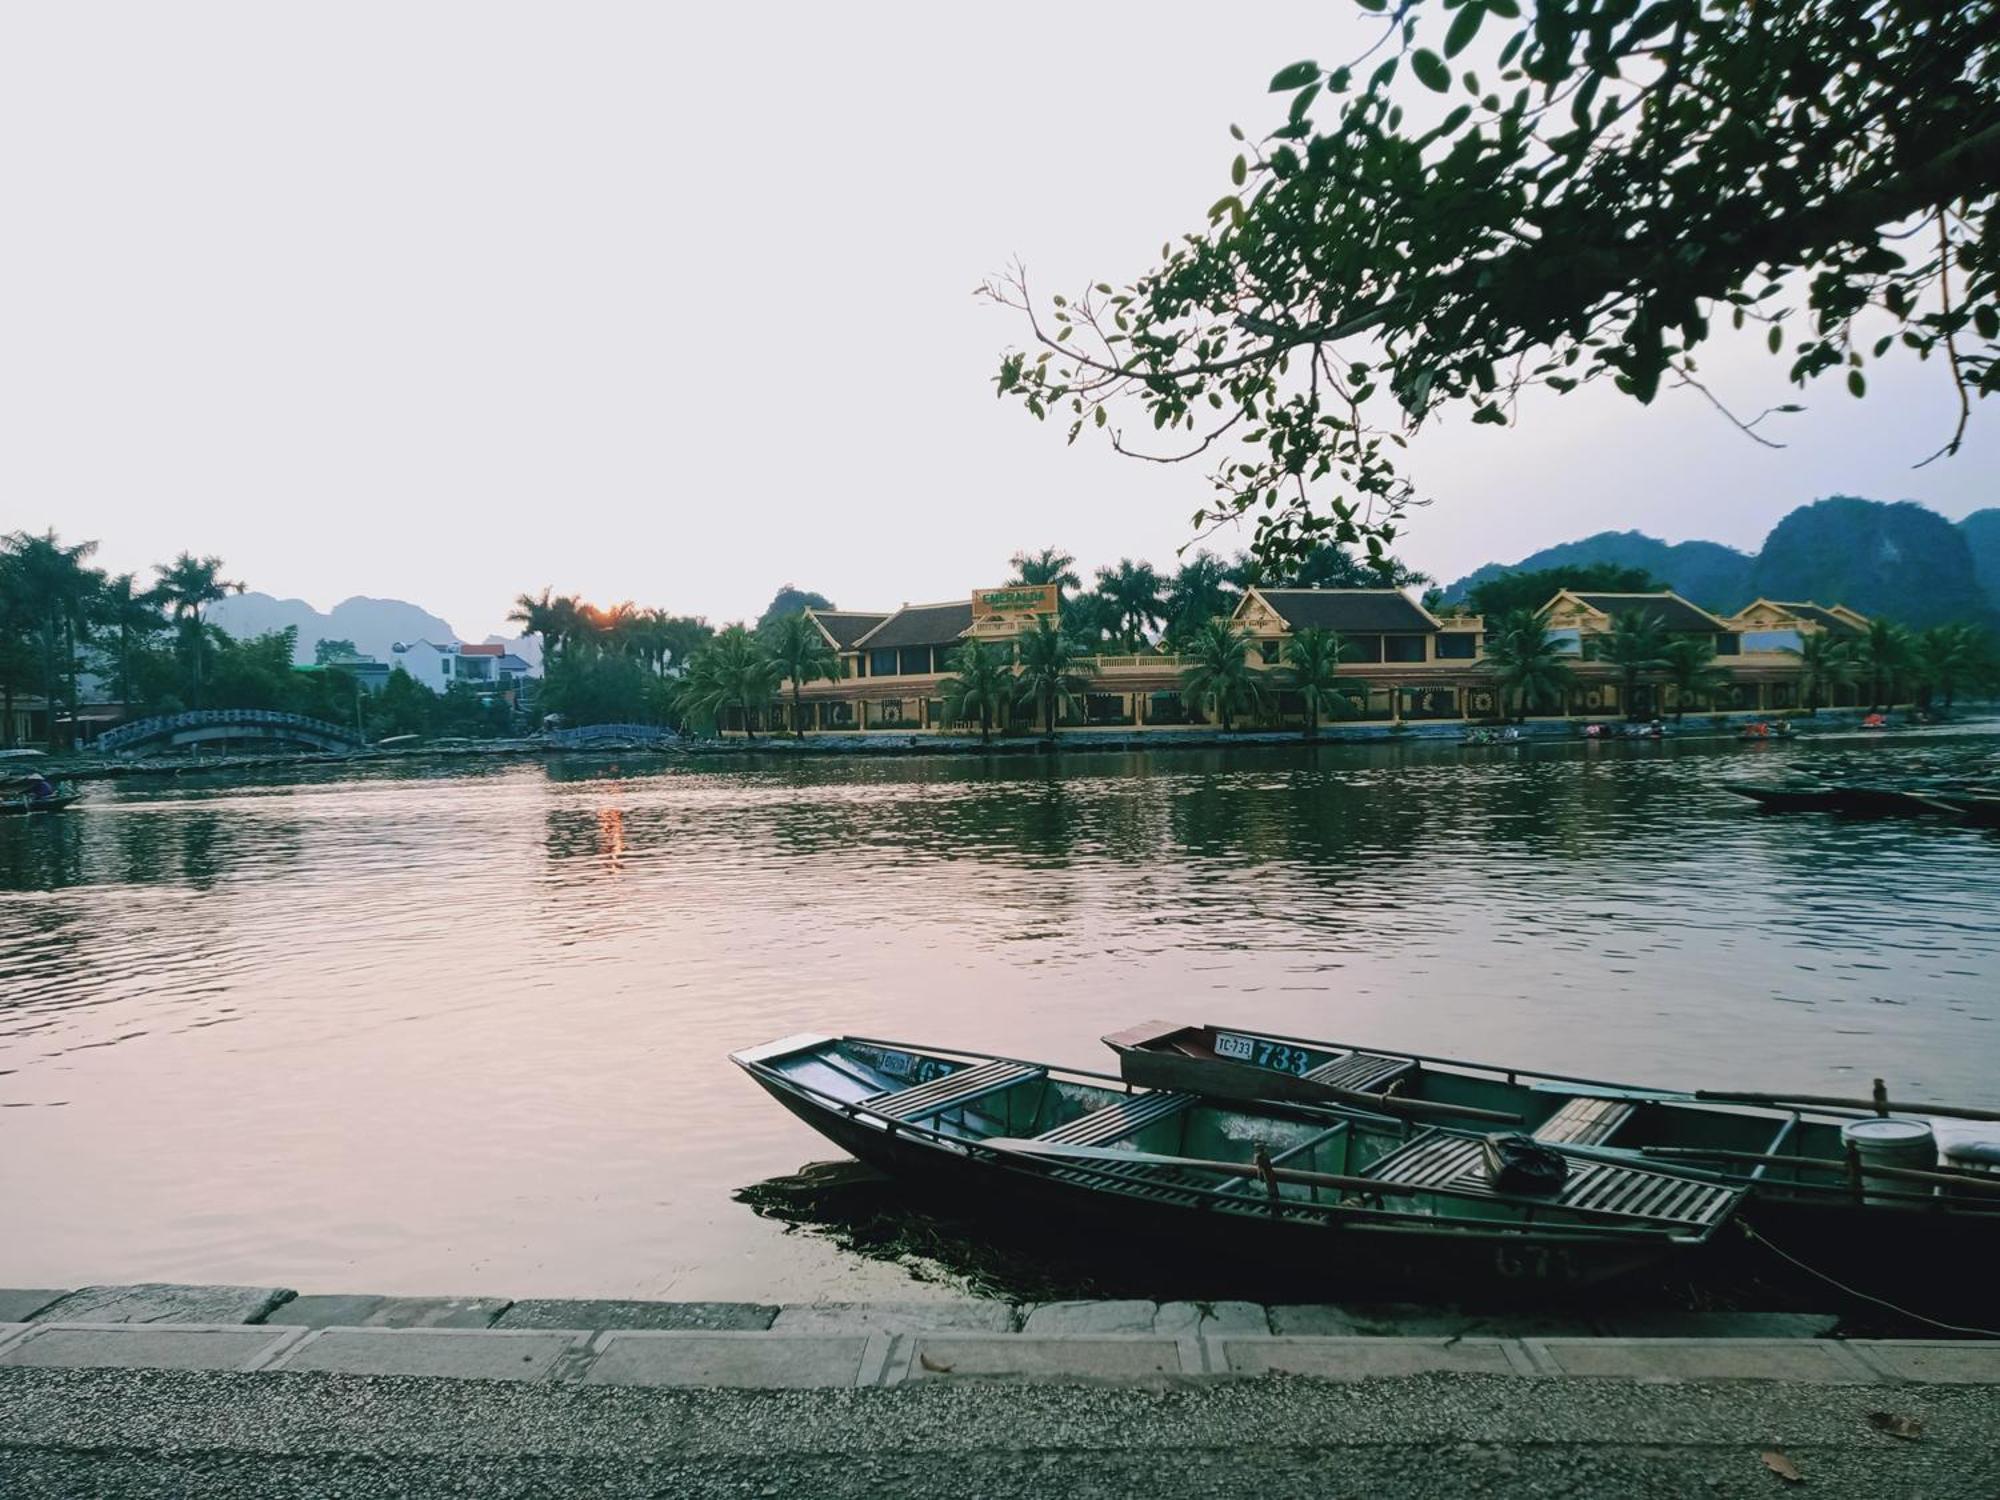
column 1852, row 801
column 1356, row 1196
column 21, row 804
column 1863, row 1184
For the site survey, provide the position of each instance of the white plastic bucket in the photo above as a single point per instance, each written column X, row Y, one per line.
column 1891, row 1143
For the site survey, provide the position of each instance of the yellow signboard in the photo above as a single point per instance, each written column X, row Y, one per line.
column 1025, row 599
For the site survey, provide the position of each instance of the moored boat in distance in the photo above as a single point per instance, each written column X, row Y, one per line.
column 1360, row 1197
column 1819, row 1185
column 65, row 796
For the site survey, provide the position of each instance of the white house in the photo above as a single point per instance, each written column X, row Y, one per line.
column 437, row 667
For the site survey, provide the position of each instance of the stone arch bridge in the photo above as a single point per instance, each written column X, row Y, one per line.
column 205, row 725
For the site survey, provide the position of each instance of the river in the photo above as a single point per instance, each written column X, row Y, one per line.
column 465, row 1031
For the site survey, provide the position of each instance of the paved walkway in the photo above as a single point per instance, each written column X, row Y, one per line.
column 248, row 1330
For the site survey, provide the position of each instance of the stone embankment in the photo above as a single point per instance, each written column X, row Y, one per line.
column 85, row 767
column 763, row 1346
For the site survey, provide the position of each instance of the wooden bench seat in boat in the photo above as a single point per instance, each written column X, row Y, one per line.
column 950, row 1091
column 1114, row 1122
column 1584, row 1122
column 1436, row 1158
column 1361, row 1072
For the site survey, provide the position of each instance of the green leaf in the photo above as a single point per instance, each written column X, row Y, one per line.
column 1857, row 383
column 1464, row 27
column 1297, row 76
column 1777, row 338
column 1238, row 170
column 1430, row 69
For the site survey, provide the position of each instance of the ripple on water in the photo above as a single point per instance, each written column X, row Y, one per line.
column 466, row 1032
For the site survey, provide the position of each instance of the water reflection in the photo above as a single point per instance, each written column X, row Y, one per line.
column 516, row 983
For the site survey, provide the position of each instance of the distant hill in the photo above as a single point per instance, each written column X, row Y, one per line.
column 1712, row 575
column 1981, row 531
column 1902, row 560
column 374, row 625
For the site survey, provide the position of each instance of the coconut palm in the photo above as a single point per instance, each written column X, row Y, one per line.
column 1049, row 565
column 802, row 654
column 54, row 593
column 1825, row 661
column 187, row 586
column 1946, row 658
column 132, row 615
column 1689, row 664
column 1312, row 662
column 1134, row 591
column 1053, row 671
column 1634, row 644
column 980, row 685
column 731, row 671
column 1882, row 655
column 1219, row 677
column 1527, row 663
column 1091, row 620
column 536, row 617
column 1200, row 591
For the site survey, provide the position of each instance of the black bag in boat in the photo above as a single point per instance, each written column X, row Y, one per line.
column 1520, row 1164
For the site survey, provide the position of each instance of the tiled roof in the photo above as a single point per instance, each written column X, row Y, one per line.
column 1349, row 611
column 493, row 650
column 1674, row 612
column 920, row 625
column 1818, row 616
column 846, row 626
column 512, row 663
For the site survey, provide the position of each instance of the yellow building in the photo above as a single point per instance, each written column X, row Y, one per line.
column 1405, row 663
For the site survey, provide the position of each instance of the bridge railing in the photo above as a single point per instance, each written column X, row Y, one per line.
column 141, row 730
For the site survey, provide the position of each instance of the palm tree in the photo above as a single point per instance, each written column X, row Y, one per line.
column 732, row 671
column 802, row 654
column 981, row 684
column 1053, row 670
column 1091, row 620
column 1219, row 677
column 1825, row 661
column 55, row 592
column 1946, row 658
column 1527, row 663
column 568, row 623
column 132, row 616
column 1689, row 662
column 1634, row 644
column 187, row 587
column 1200, row 591
column 1312, row 663
column 1134, row 590
column 536, row 618
column 1882, row 653
column 1049, row 565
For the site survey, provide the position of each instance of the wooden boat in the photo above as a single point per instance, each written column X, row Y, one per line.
column 25, row 804
column 1789, row 798
column 1806, row 1193
column 1978, row 810
column 1854, row 801
column 1365, row 1195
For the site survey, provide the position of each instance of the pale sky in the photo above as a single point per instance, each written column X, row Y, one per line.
column 445, row 301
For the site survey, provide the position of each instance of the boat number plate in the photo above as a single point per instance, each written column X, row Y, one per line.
column 1262, row 1054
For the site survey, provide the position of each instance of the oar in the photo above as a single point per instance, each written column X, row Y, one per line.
column 1374, row 1186
column 1767, row 1101
column 1978, row 1182
column 1832, row 1101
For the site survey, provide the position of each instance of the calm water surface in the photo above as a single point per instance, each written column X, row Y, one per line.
column 465, row 1032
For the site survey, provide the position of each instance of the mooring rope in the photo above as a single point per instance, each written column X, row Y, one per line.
column 1901, row 1312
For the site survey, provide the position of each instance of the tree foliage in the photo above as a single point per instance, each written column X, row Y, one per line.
column 1492, row 198
column 1532, row 590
